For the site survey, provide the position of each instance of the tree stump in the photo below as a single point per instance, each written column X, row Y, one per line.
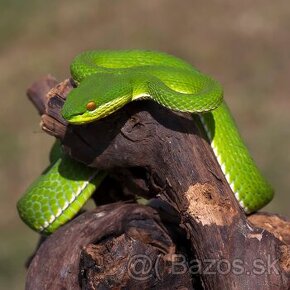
column 191, row 235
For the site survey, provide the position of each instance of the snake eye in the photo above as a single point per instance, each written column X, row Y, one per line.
column 91, row 106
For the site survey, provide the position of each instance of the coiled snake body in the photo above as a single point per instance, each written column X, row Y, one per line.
column 107, row 80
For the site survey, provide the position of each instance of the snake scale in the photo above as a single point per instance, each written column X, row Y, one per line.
column 108, row 80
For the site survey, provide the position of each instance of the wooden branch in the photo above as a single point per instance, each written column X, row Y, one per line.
column 166, row 154
column 102, row 249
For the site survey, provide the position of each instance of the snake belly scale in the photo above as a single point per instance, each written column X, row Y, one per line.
column 106, row 81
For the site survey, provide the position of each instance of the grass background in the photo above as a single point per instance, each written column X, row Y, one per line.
column 245, row 45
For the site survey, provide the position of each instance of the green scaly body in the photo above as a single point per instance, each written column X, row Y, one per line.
column 59, row 193
column 107, row 80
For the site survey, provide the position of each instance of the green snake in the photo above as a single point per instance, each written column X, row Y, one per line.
column 108, row 80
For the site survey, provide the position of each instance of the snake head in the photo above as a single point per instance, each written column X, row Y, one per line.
column 96, row 97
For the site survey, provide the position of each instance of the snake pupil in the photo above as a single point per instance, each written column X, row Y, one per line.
column 91, row 106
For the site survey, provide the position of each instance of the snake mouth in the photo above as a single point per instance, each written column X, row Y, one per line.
column 85, row 117
column 82, row 119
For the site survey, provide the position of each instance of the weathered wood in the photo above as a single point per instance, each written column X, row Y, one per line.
column 277, row 225
column 166, row 154
column 37, row 92
column 102, row 249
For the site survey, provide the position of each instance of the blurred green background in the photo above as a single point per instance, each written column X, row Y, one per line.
column 243, row 44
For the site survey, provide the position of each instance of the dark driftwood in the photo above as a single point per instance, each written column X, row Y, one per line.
column 104, row 250
column 151, row 151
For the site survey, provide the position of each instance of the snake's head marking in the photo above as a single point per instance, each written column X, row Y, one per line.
column 96, row 97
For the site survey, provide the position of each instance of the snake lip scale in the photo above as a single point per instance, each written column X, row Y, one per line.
column 106, row 81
